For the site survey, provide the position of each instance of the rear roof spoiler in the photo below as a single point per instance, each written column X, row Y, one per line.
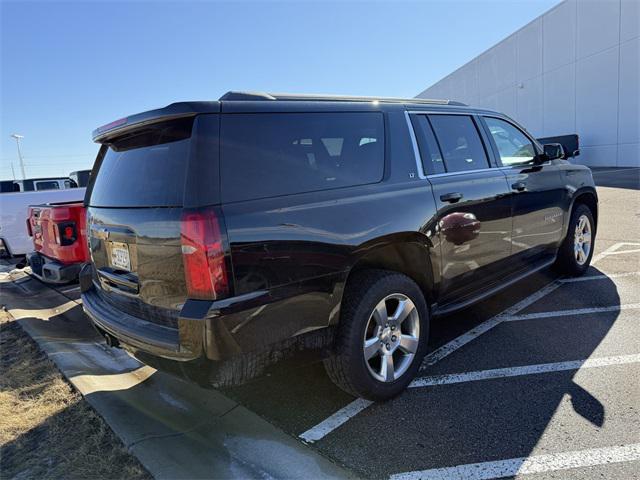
column 170, row 112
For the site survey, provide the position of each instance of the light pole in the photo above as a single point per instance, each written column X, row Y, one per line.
column 18, row 137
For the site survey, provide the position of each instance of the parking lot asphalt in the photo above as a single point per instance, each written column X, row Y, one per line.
column 541, row 380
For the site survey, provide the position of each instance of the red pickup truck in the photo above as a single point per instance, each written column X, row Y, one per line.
column 60, row 241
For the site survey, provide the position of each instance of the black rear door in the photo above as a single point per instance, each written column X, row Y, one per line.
column 473, row 202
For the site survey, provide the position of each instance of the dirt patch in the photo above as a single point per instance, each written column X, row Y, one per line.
column 47, row 430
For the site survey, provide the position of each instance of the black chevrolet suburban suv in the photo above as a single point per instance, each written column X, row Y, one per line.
column 228, row 235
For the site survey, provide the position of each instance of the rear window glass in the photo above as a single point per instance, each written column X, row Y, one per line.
column 48, row 185
column 265, row 155
column 459, row 142
column 7, row 186
column 429, row 151
column 145, row 169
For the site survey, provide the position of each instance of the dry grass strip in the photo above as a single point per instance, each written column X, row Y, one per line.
column 47, row 430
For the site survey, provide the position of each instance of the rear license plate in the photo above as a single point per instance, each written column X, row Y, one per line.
column 120, row 256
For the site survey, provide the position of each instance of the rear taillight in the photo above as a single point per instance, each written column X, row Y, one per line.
column 33, row 215
column 67, row 233
column 203, row 254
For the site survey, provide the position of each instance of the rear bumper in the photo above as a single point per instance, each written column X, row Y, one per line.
column 216, row 343
column 185, row 351
column 192, row 342
column 132, row 331
column 52, row 271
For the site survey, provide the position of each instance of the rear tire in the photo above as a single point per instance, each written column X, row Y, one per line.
column 576, row 250
column 382, row 336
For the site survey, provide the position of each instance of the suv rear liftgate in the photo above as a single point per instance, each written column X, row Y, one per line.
column 158, row 244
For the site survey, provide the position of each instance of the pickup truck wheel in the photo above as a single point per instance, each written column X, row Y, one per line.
column 576, row 251
column 382, row 337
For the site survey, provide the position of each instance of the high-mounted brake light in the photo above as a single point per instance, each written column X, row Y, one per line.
column 203, row 255
column 109, row 126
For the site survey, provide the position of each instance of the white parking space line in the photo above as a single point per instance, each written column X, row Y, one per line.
column 335, row 420
column 523, row 370
column 596, row 258
column 622, row 252
column 577, row 311
column 601, row 276
column 534, row 464
column 72, row 289
column 344, row 414
column 487, row 325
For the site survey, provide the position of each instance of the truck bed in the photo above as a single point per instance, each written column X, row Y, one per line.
column 14, row 211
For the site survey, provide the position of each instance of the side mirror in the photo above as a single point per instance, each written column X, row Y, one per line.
column 554, row 151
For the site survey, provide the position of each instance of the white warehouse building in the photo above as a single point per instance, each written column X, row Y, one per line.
column 574, row 69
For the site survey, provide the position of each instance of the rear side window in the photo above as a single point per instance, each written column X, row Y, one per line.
column 145, row 169
column 459, row 142
column 7, row 186
column 266, row 155
column 429, row 151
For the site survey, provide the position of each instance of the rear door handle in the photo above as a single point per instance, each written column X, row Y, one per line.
column 452, row 197
column 519, row 186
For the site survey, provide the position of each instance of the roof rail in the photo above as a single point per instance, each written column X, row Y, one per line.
column 236, row 96
column 247, row 96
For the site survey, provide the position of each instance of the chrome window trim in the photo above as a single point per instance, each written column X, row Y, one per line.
column 524, row 165
column 414, row 144
column 447, row 174
column 417, row 152
column 439, row 112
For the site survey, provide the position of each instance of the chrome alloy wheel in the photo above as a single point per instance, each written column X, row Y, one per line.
column 582, row 240
column 391, row 337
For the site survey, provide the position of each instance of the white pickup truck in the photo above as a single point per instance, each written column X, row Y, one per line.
column 14, row 210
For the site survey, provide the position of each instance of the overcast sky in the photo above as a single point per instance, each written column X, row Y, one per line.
column 69, row 67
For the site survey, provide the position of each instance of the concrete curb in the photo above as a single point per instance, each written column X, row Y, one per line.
column 176, row 429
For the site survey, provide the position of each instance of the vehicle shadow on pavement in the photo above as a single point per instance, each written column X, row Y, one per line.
column 480, row 418
column 586, row 405
column 295, row 398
